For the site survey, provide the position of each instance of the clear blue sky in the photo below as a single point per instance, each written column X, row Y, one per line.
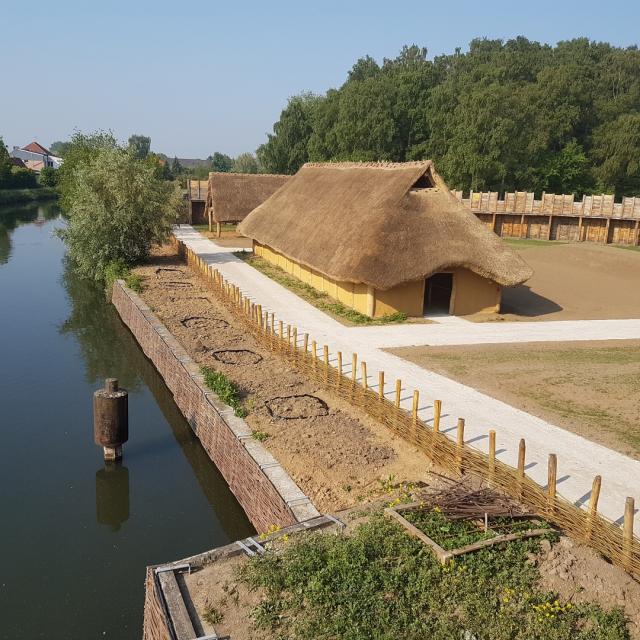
column 204, row 76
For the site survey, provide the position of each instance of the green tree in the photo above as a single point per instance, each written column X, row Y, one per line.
column 616, row 149
column 140, row 145
column 176, row 167
column 286, row 150
column 245, row 163
column 118, row 209
column 82, row 151
column 221, row 162
column 505, row 115
column 5, row 166
column 59, row 148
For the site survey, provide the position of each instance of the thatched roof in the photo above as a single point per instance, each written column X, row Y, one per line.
column 381, row 224
column 234, row 195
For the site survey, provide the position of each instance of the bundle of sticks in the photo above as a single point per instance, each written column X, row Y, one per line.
column 459, row 500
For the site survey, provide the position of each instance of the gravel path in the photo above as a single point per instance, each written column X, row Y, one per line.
column 579, row 460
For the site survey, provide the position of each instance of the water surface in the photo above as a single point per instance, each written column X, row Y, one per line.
column 76, row 534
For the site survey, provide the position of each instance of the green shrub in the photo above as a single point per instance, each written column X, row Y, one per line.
column 49, row 177
column 118, row 270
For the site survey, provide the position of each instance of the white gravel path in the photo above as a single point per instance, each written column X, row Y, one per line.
column 579, row 460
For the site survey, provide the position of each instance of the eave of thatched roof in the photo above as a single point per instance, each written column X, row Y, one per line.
column 363, row 222
column 232, row 196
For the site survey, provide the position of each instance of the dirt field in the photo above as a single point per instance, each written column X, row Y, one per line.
column 574, row 282
column 337, row 454
column 590, row 388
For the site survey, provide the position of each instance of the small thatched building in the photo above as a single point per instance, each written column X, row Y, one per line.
column 232, row 196
column 382, row 238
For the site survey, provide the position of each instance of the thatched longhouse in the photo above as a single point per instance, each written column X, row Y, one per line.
column 383, row 238
column 232, row 196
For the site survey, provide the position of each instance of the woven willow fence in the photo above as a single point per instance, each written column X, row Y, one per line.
column 618, row 544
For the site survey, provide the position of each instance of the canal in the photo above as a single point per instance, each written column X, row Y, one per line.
column 75, row 534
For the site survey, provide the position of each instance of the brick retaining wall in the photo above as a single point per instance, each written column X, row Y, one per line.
column 260, row 484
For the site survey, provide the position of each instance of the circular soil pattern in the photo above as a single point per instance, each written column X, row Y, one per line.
column 202, row 322
column 168, row 271
column 183, row 298
column 172, row 284
column 236, row 356
column 296, row 407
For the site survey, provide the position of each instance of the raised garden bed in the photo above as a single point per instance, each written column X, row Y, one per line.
column 450, row 536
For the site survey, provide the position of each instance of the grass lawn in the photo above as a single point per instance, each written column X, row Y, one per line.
column 526, row 242
column 381, row 583
column 318, row 299
column 591, row 388
column 225, row 226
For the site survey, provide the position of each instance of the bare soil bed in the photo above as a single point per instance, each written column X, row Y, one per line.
column 335, row 452
column 573, row 282
column 590, row 388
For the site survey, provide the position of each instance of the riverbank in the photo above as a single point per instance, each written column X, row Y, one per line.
column 18, row 196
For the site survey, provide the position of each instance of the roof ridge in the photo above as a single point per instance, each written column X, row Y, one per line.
column 381, row 164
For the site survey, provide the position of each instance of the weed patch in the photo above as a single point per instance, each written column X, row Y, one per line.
column 381, row 583
column 318, row 299
column 224, row 389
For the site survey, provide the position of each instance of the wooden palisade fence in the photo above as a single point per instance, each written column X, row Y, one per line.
column 586, row 525
column 596, row 218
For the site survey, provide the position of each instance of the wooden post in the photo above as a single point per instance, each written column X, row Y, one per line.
column 398, row 392
column 260, row 315
column 354, row 365
column 593, row 505
column 295, row 338
column 314, row 353
column 363, row 368
column 325, row 354
column 437, row 411
column 273, row 323
column 218, row 229
column 305, row 348
column 492, row 455
column 553, row 477
column 627, row 533
column 459, row 443
column 266, row 322
column 414, row 416
column 289, row 335
column 340, row 363
column 522, row 449
column 381, row 385
column 281, row 330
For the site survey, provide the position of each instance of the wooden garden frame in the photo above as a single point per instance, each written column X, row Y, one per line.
column 443, row 555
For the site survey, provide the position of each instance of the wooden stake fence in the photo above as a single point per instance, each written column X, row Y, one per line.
column 618, row 544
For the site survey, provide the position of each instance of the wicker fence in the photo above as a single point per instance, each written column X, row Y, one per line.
column 586, row 525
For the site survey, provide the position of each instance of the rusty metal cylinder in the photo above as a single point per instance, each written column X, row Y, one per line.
column 111, row 418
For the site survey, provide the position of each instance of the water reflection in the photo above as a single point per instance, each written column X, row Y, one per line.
column 14, row 216
column 112, row 495
column 96, row 326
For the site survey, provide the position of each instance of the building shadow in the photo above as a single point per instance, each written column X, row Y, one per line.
column 522, row 301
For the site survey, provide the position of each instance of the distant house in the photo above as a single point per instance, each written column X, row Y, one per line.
column 36, row 157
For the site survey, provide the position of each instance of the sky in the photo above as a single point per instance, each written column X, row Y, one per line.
column 208, row 76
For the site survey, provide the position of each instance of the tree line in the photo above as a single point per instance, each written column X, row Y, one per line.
column 504, row 116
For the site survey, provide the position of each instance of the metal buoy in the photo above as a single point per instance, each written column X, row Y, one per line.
column 111, row 419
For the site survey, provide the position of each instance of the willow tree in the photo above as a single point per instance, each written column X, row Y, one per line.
column 118, row 208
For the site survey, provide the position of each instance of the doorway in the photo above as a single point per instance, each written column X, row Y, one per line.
column 437, row 293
